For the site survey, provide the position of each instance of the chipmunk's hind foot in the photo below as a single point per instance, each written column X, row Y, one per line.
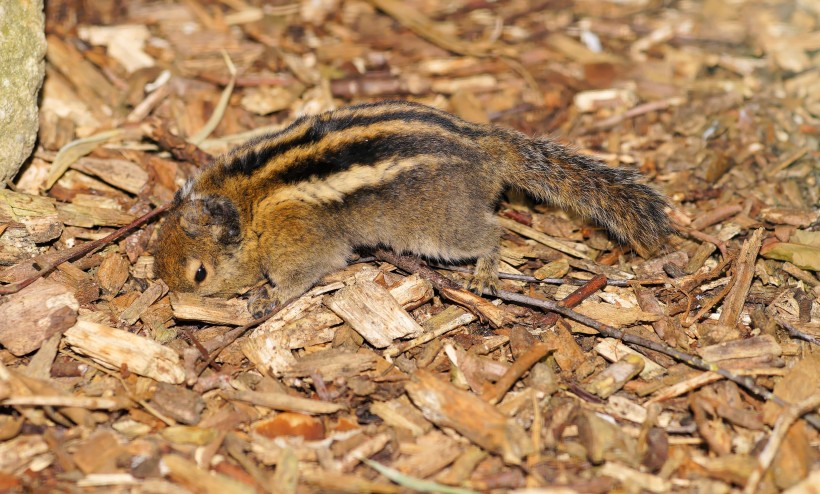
column 485, row 276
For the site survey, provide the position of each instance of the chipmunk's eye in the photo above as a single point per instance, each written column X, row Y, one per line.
column 200, row 274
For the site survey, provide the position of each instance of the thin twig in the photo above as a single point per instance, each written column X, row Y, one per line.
column 692, row 360
column 796, row 333
column 547, row 281
column 82, row 250
column 515, row 371
column 705, row 237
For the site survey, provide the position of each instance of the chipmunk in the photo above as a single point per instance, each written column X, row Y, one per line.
column 292, row 206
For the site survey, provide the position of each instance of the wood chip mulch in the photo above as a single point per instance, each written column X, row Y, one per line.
column 696, row 370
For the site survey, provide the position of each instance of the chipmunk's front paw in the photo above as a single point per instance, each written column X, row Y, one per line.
column 262, row 301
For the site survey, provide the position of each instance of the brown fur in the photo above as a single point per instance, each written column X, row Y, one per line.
column 294, row 205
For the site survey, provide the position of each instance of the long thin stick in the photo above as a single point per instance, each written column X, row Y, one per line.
column 693, row 360
column 81, row 250
column 412, row 264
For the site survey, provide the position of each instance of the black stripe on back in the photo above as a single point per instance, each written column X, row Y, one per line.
column 371, row 151
column 248, row 158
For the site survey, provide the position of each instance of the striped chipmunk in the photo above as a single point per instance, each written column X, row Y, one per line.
column 293, row 206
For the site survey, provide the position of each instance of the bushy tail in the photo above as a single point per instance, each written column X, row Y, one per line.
column 612, row 197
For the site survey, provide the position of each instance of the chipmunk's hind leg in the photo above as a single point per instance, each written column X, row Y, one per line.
column 479, row 240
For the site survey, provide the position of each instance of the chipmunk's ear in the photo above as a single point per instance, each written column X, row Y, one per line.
column 214, row 216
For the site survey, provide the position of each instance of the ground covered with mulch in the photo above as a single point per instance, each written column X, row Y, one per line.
column 693, row 370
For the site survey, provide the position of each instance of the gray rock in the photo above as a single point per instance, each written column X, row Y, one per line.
column 22, row 66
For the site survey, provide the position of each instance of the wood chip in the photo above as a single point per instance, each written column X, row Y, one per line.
column 444, row 405
column 120, row 350
column 373, row 313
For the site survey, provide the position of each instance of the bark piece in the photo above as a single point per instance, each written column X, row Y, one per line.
column 281, row 401
column 470, row 416
column 417, row 460
column 613, row 350
column 123, row 174
column 112, row 274
column 34, row 314
column 98, row 453
column 178, row 403
column 744, row 272
column 605, row 441
column 37, row 215
column 196, row 479
column 291, row 424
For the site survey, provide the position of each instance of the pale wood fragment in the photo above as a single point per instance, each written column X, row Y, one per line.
column 469, row 415
column 118, row 349
column 16, row 453
column 615, row 376
column 790, row 216
column 153, row 293
column 36, row 214
column 316, row 327
column 613, row 350
column 34, row 314
column 90, row 402
column 611, row 315
column 463, row 467
column 286, row 476
column 453, row 317
column 759, row 346
column 328, row 481
column 630, row 476
column 123, row 174
column 412, row 291
column 90, row 216
column 191, row 476
column 333, row 363
column 368, row 448
column 281, row 401
column 373, row 313
column 267, row 346
column 190, row 307
column 400, row 412
column 39, row 367
column 540, row 237
column 416, row 459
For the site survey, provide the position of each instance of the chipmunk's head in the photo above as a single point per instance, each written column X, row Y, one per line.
column 201, row 249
